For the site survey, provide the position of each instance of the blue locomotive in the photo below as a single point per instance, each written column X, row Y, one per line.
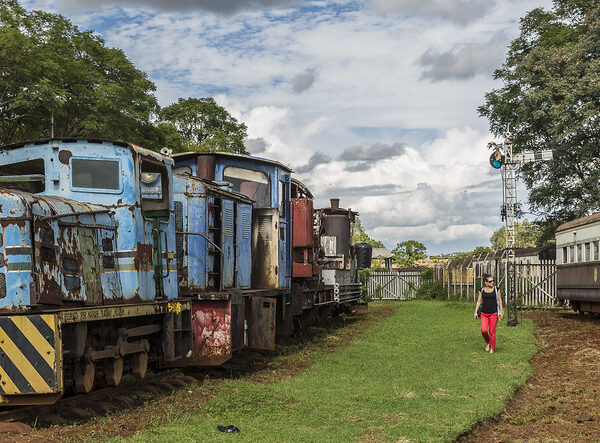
column 115, row 258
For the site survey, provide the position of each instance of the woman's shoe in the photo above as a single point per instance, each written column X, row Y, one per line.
column 487, row 348
column 491, row 351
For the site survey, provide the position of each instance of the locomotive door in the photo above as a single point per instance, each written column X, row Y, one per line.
column 227, row 243
column 243, row 251
column 45, row 263
column 90, row 267
column 283, row 234
column 265, row 265
column 260, row 315
column 154, row 255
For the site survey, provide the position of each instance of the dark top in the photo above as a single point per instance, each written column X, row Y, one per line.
column 489, row 304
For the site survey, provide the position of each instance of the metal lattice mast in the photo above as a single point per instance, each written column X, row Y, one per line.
column 504, row 158
column 510, row 204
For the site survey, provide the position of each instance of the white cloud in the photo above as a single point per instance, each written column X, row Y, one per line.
column 218, row 6
column 464, row 61
column 459, row 11
column 370, row 85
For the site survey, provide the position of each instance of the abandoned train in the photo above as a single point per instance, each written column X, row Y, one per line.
column 578, row 263
column 114, row 258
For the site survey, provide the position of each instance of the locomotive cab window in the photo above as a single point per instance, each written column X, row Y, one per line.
column 282, row 199
column 154, row 186
column 25, row 176
column 95, row 175
column 253, row 184
column 182, row 170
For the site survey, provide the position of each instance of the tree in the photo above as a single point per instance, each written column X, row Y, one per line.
column 527, row 235
column 360, row 236
column 205, row 126
column 409, row 251
column 550, row 100
column 50, row 70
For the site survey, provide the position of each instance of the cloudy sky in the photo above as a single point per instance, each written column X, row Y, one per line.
column 371, row 101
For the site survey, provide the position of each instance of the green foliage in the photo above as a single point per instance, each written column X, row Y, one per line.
column 477, row 251
column 549, row 100
column 427, row 274
column 419, row 375
column 360, row 236
column 203, row 125
column 51, row 69
column 431, row 290
column 363, row 276
column 409, row 251
column 528, row 235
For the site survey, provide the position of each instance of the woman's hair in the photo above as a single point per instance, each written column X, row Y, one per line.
column 486, row 276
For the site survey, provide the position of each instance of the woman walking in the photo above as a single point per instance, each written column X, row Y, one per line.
column 491, row 303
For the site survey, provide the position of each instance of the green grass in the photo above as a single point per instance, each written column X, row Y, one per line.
column 421, row 374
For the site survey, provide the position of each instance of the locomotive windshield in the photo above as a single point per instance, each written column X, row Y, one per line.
column 253, row 184
column 95, row 174
column 26, row 176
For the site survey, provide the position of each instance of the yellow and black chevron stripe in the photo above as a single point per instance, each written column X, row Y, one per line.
column 29, row 355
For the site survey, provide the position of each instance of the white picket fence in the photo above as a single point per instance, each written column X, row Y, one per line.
column 536, row 284
column 395, row 285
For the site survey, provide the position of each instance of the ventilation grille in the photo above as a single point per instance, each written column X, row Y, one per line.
column 246, row 225
column 265, row 223
column 228, row 222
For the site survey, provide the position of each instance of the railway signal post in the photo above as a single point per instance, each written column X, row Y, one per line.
column 503, row 158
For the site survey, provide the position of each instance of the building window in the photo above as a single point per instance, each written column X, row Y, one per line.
column 571, row 254
column 579, row 253
column 565, row 258
column 596, row 250
column 588, row 252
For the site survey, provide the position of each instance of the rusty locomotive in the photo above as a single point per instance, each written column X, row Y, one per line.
column 114, row 259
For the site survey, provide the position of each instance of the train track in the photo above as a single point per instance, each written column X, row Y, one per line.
column 129, row 393
column 98, row 402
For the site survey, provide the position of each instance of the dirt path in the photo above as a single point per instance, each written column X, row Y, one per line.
column 561, row 401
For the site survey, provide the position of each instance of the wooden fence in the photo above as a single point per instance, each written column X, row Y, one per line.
column 535, row 282
column 394, row 285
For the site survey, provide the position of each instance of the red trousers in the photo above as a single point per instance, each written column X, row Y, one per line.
column 488, row 323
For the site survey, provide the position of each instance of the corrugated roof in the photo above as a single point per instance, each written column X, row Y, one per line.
column 579, row 222
column 381, row 253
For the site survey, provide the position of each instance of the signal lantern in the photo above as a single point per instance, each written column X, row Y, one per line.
column 496, row 159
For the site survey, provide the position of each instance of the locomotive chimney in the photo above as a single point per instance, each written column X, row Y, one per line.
column 335, row 203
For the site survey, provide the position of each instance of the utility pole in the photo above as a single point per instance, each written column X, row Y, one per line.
column 503, row 158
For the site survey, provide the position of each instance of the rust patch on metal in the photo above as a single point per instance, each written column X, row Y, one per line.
column 64, row 156
column 143, row 255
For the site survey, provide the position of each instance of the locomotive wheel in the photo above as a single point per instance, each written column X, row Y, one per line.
column 139, row 365
column 84, row 377
column 113, row 371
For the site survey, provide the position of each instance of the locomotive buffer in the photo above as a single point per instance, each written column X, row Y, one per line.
column 503, row 158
